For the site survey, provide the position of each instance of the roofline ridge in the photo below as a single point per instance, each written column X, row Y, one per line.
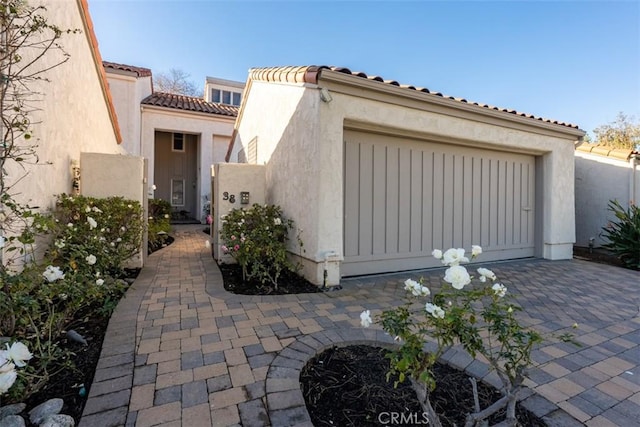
column 312, row 74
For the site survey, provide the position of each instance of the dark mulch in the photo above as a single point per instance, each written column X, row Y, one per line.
column 289, row 283
column 347, row 386
column 599, row 255
column 72, row 385
column 159, row 244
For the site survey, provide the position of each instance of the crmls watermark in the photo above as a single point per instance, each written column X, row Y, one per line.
column 403, row 418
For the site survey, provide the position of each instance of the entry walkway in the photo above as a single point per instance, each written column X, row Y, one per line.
column 181, row 351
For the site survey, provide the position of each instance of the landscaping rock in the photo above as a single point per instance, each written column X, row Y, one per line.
column 41, row 412
column 74, row 336
column 59, row 420
column 12, row 421
column 14, row 409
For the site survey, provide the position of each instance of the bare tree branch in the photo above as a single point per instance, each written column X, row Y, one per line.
column 176, row 81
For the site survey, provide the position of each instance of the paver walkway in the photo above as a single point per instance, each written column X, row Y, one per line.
column 181, row 351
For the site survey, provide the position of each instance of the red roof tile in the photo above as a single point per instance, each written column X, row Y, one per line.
column 189, row 103
column 139, row 71
column 312, row 73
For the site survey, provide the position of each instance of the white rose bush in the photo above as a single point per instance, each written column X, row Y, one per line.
column 470, row 309
column 88, row 242
column 257, row 239
column 14, row 356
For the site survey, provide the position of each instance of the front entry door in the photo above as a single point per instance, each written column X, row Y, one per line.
column 176, row 172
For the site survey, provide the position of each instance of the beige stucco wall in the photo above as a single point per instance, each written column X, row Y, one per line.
column 233, row 178
column 598, row 180
column 109, row 175
column 127, row 91
column 290, row 146
column 301, row 141
column 72, row 116
column 214, row 132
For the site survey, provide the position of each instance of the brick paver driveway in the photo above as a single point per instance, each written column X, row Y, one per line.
column 181, row 351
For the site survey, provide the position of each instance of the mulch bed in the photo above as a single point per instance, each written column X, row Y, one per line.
column 599, row 255
column 72, row 384
column 159, row 244
column 68, row 383
column 347, row 386
column 289, row 283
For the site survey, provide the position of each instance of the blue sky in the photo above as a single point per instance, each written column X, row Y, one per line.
column 577, row 62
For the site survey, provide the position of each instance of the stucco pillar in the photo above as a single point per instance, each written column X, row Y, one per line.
column 558, row 203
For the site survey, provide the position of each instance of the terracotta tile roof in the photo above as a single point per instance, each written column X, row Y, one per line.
column 312, row 73
column 606, row 151
column 139, row 71
column 189, row 103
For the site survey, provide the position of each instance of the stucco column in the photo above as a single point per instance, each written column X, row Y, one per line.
column 558, row 203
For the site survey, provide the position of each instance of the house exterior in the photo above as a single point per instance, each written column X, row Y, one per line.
column 602, row 174
column 376, row 174
column 73, row 117
column 76, row 113
column 181, row 136
column 129, row 85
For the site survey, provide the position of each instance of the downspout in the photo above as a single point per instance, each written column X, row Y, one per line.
column 329, row 256
column 140, row 129
column 633, row 161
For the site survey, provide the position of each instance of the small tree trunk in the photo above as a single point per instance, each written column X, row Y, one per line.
column 511, row 408
column 423, row 398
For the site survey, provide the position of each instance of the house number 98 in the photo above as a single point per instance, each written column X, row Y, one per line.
column 230, row 197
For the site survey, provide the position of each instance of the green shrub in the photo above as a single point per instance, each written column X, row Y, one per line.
column 96, row 235
column 624, row 235
column 90, row 242
column 257, row 239
column 159, row 225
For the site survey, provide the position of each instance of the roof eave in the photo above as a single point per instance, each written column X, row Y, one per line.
column 328, row 75
column 190, row 112
column 83, row 6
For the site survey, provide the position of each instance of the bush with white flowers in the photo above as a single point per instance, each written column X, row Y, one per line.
column 94, row 234
column 15, row 355
column 257, row 239
column 81, row 271
column 472, row 311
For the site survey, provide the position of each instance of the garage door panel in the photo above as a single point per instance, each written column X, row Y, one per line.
column 427, row 200
column 517, row 201
column 476, row 214
column 351, row 203
column 379, row 240
column 392, row 208
column 457, row 228
column 403, row 198
column 416, row 201
column 437, row 185
column 365, row 219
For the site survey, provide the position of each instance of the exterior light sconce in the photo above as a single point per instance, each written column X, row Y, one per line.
column 325, row 95
column 75, row 171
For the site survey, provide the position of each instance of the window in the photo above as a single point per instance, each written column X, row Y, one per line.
column 177, row 192
column 215, row 95
column 178, row 142
column 226, row 97
column 236, row 98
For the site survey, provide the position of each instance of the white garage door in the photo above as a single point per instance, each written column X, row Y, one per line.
column 403, row 198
